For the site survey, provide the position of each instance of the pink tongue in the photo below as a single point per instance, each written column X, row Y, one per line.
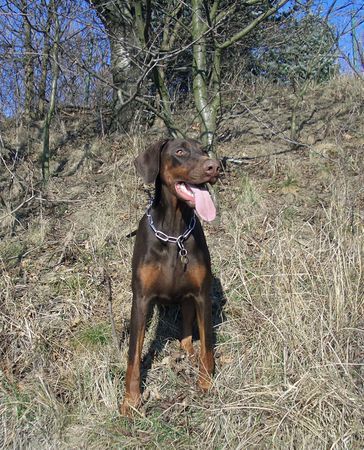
column 203, row 203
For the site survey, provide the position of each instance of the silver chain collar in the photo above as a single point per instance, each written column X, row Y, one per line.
column 179, row 240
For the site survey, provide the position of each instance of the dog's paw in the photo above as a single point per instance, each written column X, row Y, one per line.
column 129, row 406
column 204, row 382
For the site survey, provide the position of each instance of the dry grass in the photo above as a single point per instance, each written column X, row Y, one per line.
column 288, row 253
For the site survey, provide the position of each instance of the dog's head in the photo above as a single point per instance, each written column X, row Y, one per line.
column 184, row 167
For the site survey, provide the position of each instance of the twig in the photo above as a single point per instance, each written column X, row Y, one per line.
column 18, row 207
column 107, row 281
column 245, row 159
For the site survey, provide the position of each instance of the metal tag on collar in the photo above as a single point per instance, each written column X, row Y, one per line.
column 183, row 256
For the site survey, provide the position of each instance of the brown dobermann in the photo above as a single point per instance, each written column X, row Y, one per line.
column 171, row 261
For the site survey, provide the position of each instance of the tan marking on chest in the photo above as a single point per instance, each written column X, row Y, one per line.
column 149, row 275
column 196, row 275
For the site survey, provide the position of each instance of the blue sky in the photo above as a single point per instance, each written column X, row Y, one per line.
column 342, row 13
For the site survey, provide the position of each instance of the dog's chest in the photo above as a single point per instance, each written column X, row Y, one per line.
column 172, row 280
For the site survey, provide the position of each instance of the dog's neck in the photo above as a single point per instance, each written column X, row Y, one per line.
column 170, row 214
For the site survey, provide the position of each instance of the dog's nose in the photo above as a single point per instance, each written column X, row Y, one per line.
column 212, row 167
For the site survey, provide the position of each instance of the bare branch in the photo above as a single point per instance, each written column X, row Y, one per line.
column 238, row 36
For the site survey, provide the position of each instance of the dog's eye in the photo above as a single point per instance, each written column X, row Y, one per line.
column 180, row 152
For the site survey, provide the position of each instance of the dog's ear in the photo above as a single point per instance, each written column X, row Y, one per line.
column 147, row 163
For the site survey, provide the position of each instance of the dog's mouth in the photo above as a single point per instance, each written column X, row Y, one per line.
column 198, row 197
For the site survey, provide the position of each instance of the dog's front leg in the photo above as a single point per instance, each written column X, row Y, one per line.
column 204, row 321
column 132, row 398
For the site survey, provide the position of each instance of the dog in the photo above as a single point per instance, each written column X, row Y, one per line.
column 171, row 261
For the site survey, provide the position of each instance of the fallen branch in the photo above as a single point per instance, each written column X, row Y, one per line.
column 107, row 281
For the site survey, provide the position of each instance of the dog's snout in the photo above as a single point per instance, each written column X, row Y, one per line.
column 212, row 167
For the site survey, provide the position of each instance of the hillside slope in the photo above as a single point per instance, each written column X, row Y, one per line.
column 287, row 255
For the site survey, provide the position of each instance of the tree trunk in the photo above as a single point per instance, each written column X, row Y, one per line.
column 28, row 63
column 118, row 21
column 199, row 73
column 52, row 102
column 45, row 63
column 207, row 98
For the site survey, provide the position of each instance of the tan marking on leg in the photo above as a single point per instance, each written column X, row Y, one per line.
column 132, row 398
column 206, row 364
column 206, row 369
column 188, row 314
column 186, row 345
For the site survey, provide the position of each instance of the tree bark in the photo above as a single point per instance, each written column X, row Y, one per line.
column 118, row 21
column 45, row 63
column 52, row 102
column 199, row 73
column 28, row 63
